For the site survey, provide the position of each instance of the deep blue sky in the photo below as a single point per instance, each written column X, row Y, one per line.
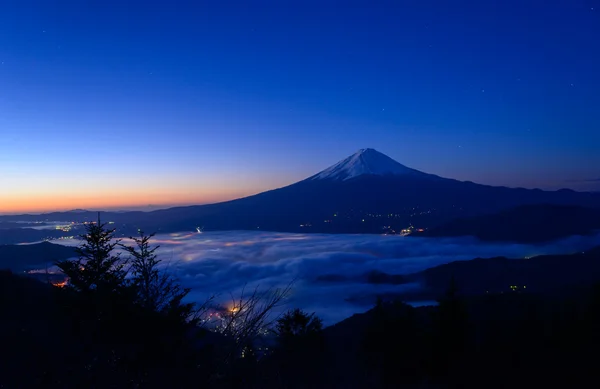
column 107, row 103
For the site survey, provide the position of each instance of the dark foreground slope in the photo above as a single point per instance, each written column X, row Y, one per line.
column 34, row 334
column 500, row 323
column 54, row 338
column 533, row 337
column 514, row 340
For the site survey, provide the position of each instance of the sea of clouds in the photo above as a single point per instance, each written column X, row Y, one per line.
column 226, row 263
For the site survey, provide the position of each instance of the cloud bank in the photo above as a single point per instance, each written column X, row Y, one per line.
column 223, row 263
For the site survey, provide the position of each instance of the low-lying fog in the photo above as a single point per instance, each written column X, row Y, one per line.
column 222, row 263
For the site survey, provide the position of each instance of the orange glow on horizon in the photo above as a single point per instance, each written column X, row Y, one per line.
column 40, row 202
column 22, row 194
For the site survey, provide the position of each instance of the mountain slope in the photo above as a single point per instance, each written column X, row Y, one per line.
column 361, row 194
column 363, row 204
column 524, row 224
column 538, row 274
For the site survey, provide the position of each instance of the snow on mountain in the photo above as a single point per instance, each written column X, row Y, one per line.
column 363, row 162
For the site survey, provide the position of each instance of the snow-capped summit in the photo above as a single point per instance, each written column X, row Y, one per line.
column 363, row 162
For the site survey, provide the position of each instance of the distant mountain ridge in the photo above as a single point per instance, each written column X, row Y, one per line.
column 23, row 257
column 368, row 192
column 26, row 235
column 480, row 276
column 542, row 273
column 524, row 224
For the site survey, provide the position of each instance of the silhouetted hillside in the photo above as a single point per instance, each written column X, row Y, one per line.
column 524, row 224
column 26, row 235
column 545, row 274
column 21, row 257
column 491, row 340
column 539, row 274
column 13, row 224
column 34, row 334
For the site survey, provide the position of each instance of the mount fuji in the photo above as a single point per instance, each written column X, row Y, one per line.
column 368, row 192
column 364, row 162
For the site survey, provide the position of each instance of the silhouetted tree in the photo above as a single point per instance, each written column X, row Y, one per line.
column 392, row 346
column 297, row 323
column 134, row 331
column 450, row 337
column 97, row 267
column 99, row 301
column 156, row 289
column 300, row 349
column 249, row 317
column 244, row 324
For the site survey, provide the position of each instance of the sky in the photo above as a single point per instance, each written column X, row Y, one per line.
column 118, row 104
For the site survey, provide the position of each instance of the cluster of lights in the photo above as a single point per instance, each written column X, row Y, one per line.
column 421, row 213
column 43, row 271
column 413, row 212
column 406, row 231
column 60, row 284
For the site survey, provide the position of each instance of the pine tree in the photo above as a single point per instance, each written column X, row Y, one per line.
column 451, row 335
column 97, row 267
column 156, row 289
column 297, row 323
column 300, row 349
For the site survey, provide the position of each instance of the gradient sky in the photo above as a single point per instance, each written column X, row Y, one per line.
column 123, row 104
